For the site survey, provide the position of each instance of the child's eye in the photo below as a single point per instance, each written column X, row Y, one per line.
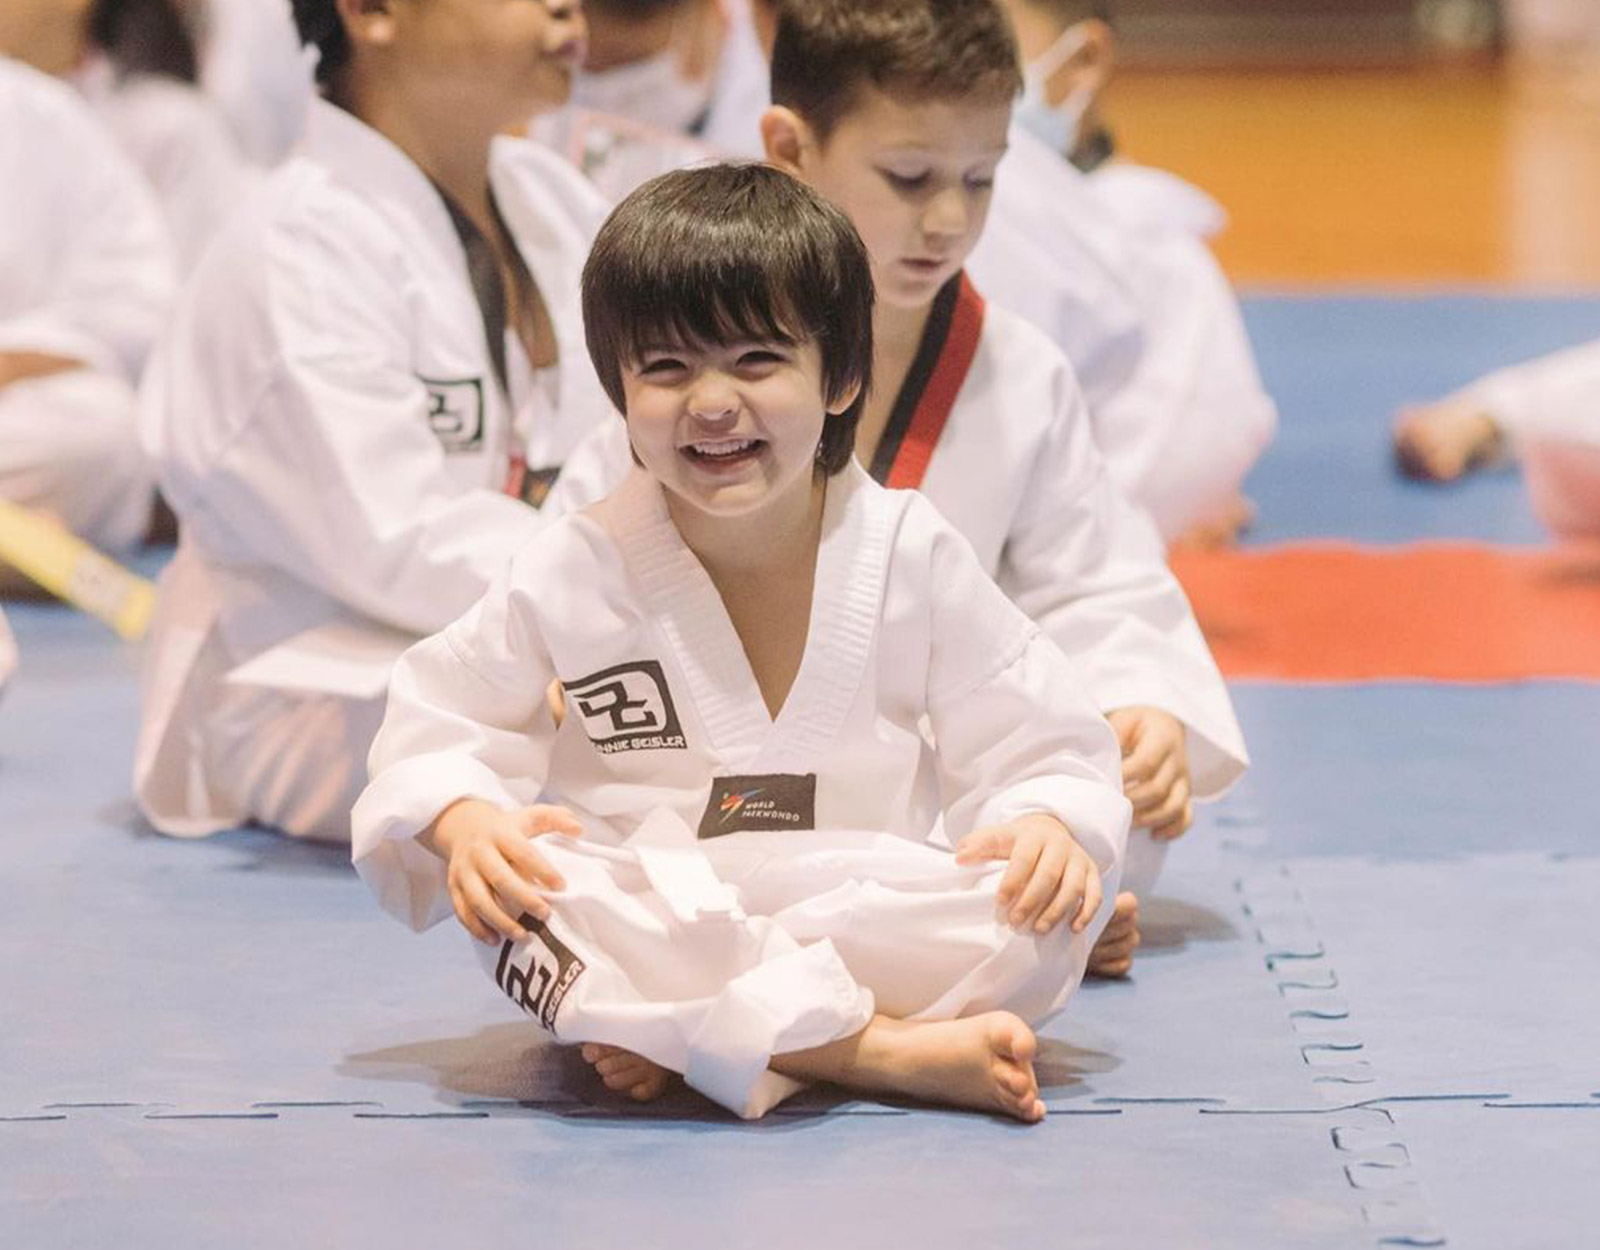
column 984, row 182
column 905, row 182
column 760, row 357
column 660, row 365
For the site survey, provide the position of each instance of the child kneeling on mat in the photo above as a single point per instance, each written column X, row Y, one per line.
column 777, row 678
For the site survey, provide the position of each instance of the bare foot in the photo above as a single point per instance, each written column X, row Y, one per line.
column 1112, row 955
column 982, row 1062
column 624, row 1072
column 1443, row 441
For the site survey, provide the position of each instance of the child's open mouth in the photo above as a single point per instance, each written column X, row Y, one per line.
column 725, row 453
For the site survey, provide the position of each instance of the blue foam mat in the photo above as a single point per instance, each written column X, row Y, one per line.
column 227, row 1039
column 1340, row 367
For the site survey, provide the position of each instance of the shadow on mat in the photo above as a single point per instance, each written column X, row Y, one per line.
column 510, row 1070
column 249, row 849
column 1168, row 925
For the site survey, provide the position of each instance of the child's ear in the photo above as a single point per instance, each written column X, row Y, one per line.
column 840, row 404
column 786, row 138
column 1098, row 59
column 370, row 22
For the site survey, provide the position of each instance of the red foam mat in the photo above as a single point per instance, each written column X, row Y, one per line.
column 1459, row 612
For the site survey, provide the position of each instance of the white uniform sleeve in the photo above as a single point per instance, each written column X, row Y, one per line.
column 467, row 718
column 86, row 269
column 1090, row 569
column 1189, row 424
column 1550, row 407
column 1013, row 727
column 315, row 452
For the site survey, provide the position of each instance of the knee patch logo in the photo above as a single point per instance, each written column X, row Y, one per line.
column 538, row 979
column 772, row 801
column 627, row 708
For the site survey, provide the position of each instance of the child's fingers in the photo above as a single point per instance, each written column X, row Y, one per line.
column 1068, row 895
column 1140, row 764
column 482, row 900
column 1177, row 826
column 1093, row 896
column 1171, row 813
column 1153, row 791
column 529, row 863
column 549, row 818
column 516, row 892
column 982, row 844
column 469, row 919
column 1042, row 885
column 1024, row 855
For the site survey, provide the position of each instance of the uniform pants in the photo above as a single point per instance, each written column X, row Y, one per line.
column 68, row 447
column 709, row 959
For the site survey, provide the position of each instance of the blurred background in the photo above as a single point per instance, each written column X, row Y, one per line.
column 1355, row 142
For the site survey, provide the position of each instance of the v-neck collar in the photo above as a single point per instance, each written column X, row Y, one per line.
column 852, row 559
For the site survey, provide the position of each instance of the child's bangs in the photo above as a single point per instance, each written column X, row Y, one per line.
column 704, row 305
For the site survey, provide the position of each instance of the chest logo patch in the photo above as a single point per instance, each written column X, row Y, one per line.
column 455, row 412
column 627, row 708
column 783, row 801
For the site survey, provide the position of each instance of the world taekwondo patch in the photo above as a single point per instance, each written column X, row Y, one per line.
column 775, row 801
column 627, row 708
column 538, row 975
column 455, row 412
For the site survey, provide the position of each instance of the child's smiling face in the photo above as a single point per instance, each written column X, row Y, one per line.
column 728, row 428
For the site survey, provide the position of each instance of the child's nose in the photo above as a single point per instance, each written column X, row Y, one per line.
column 947, row 215
column 713, row 398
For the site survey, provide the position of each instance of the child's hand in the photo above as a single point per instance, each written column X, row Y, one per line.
column 1049, row 877
column 493, row 866
column 1155, row 769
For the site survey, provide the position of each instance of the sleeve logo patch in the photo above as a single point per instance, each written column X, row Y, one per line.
column 775, row 801
column 538, row 976
column 627, row 708
column 455, row 412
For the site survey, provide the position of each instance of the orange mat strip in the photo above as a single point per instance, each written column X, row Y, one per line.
column 1452, row 612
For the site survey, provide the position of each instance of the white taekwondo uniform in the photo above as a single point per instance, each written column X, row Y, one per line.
column 85, row 274
column 922, row 693
column 1550, row 410
column 1014, row 468
column 330, row 426
column 252, row 65
column 1185, row 422
column 179, row 140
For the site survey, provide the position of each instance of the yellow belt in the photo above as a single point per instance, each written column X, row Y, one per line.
column 70, row 569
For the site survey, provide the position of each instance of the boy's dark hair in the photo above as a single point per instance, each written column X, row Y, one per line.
column 728, row 252
column 145, row 37
column 825, row 50
column 321, row 28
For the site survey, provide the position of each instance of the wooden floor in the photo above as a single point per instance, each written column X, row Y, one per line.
column 1426, row 176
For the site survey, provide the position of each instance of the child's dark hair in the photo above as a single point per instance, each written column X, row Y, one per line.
column 825, row 50
column 321, row 28
column 145, row 37
column 723, row 253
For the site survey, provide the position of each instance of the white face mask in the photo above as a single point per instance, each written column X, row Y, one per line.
column 651, row 92
column 1058, row 125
